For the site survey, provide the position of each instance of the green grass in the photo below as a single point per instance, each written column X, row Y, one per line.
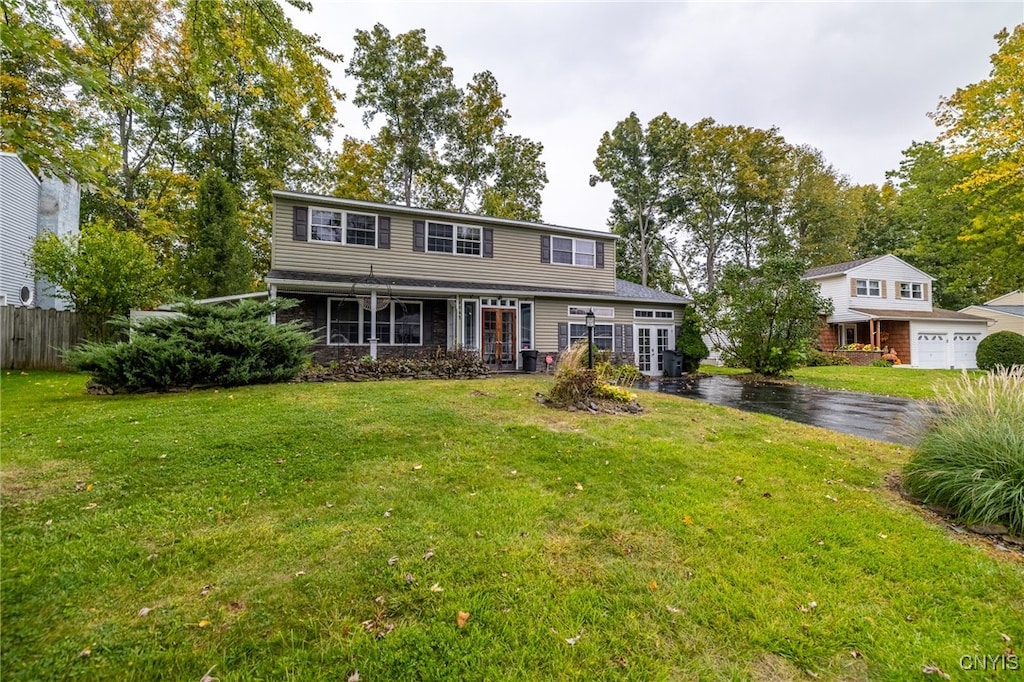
column 257, row 524
column 906, row 382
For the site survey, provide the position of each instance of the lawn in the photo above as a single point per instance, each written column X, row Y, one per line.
column 907, row 382
column 459, row 530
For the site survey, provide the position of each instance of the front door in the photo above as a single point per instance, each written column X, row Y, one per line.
column 499, row 338
column 651, row 342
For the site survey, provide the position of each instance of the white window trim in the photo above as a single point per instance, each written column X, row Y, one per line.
column 867, row 288
column 654, row 314
column 574, row 241
column 364, row 317
column 911, row 285
column 609, row 325
column 344, row 228
column 476, row 324
column 600, row 312
column 455, row 239
column 533, row 324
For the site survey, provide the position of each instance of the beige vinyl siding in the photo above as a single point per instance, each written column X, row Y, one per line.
column 548, row 312
column 516, row 257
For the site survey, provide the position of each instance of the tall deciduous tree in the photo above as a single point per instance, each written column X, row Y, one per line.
column 409, row 84
column 821, row 214
column 726, row 203
column 470, row 148
column 640, row 164
column 102, row 271
column 519, row 179
column 983, row 129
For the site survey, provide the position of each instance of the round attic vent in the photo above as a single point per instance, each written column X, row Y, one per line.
column 26, row 296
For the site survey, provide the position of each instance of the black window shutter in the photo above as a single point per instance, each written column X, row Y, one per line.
column 419, row 240
column 300, row 223
column 599, row 254
column 383, row 233
column 617, row 343
column 563, row 335
column 627, row 338
column 488, row 243
column 320, row 319
column 545, row 248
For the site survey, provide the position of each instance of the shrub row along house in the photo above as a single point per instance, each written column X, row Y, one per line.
column 886, row 302
column 385, row 280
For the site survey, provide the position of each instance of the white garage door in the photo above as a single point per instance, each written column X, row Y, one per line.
column 931, row 350
column 965, row 345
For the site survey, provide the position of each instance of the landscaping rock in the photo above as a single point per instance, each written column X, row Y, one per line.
column 988, row 529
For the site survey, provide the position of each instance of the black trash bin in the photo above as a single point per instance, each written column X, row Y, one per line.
column 672, row 364
column 529, row 360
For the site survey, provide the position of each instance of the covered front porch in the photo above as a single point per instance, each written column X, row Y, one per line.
column 888, row 335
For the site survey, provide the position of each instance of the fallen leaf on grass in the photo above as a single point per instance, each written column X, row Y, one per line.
column 204, row 623
column 85, row 653
column 829, row 497
column 330, row 504
column 436, row 588
column 144, row 611
column 856, row 654
column 205, row 591
column 579, row 486
column 49, row 522
column 91, row 505
column 673, row 609
column 417, row 467
column 653, row 585
column 387, row 514
column 410, row 578
column 354, row 677
column 812, row 674
column 571, row 641
column 1006, row 637
column 737, row 480
column 392, row 561
column 462, row 619
column 428, row 555
column 687, row 520
column 299, row 573
column 934, row 670
column 208, row 677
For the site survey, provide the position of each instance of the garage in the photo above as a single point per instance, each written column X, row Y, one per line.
column 965, row 347
column 931, row 350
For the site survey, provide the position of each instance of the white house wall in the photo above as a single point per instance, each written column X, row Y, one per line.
column 943, row 327
column 890, row 270
column 19, row 215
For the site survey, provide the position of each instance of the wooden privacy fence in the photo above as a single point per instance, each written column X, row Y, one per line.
column 33, row 338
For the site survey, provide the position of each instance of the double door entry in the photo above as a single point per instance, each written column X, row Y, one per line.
column 499, row 338
column 651, row 342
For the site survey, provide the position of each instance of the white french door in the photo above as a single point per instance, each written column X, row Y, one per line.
column 651, row 342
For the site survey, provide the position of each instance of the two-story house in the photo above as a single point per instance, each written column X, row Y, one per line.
column 886, row 302
column 386, row 280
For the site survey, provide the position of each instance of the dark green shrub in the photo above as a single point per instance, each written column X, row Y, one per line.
column 1002, row 349
column 689, row 343
column 817, row 358
column 205, row 346
column 971, row 457
column 881, row 363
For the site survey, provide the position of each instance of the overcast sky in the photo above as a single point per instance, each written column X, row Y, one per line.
column 854, row 79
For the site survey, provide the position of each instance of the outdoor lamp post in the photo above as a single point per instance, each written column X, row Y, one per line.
column 590, row 339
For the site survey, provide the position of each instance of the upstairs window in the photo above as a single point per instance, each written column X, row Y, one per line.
column 869, row 287
column 569, row 251
column 340, row 227
column 458, row 239
column 914, row 290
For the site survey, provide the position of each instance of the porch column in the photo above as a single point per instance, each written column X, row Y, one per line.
column 871, row 332
column 373, row 324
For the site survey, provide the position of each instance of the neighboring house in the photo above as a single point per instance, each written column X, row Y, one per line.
column 886, row 302
column 1006, row 312
column 29, row 207
column 384, row 280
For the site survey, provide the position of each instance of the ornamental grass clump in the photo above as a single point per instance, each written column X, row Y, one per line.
column 575, row 383
column 971, row 458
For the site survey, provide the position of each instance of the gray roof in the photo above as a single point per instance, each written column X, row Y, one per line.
column 1017, row 310
column 838, row 268
column 636, row 291
column 627, row 291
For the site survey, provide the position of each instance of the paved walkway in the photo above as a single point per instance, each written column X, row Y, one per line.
column 894, row 420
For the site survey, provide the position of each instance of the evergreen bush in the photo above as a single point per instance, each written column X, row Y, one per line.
column 1002, row 349
column 689, row 344
column 206, row 345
